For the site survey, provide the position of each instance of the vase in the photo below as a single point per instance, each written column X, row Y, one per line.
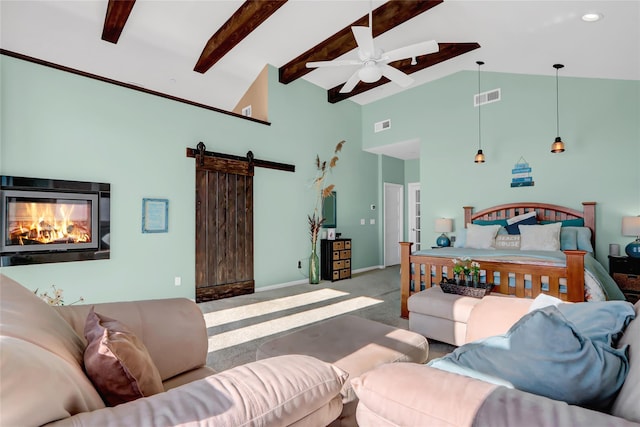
column 314, row 267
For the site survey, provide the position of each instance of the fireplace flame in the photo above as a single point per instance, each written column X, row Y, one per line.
column 44, row 223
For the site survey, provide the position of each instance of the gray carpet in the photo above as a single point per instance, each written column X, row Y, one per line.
column 237, row 326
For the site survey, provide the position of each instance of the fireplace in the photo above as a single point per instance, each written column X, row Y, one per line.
column 46, row 220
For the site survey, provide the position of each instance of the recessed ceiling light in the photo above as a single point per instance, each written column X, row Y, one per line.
column 592, row 17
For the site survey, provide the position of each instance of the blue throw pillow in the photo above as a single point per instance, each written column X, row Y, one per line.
column 502, row 222
column 513, row 228
column 576, row 222
column 568, row 239
column 545, row 354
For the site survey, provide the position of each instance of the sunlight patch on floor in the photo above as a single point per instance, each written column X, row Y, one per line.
column 229, row 315
column 285, row 323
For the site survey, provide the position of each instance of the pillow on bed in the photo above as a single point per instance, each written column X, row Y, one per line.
column 481, row 236
column 540, row 237
column 522, row 217
column 577, row 370
column 526, row 219
column 500, row 222
column 572, row 238
column 461, row 239
column 576, row 222
column 507, row 241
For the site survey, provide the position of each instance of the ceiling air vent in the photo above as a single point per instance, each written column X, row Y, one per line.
column 383, row 125
column 486, row 97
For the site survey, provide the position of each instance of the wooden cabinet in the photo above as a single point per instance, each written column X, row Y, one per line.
column 336, row 259
column 626, row 272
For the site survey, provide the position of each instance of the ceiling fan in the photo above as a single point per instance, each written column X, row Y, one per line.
column 374, row 63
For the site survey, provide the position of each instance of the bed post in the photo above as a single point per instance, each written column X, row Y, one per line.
column 575, row 275
column 589, row 216
column 405, row 277
column 468, row 210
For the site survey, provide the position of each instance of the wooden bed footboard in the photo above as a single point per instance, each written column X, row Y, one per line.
column 418, row 272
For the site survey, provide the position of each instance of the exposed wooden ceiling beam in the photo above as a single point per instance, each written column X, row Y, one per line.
column 118, row 12
column 247, row 18
column 385, row 17
column 446, row 52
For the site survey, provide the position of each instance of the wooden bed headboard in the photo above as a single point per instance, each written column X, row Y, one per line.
column 544, row 212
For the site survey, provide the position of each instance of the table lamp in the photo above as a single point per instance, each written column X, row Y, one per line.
column 444, row 225
column 631, row 227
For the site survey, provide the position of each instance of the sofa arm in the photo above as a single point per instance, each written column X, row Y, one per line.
column 506, row 407
column 409, row 394
column 173, row 330
column 277, row 391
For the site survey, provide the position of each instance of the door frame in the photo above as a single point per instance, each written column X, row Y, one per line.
column 414, row 223
column 387, row 245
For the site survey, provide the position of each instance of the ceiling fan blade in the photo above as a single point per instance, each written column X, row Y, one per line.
column 412, row 50
column 395, row 75
column 351, row 83
column 365, row 40
column 334, row 63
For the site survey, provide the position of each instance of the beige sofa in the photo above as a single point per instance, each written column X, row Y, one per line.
column 409, row 394
column 43, row 378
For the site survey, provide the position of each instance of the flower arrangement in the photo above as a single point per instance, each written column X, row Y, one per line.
column 315, row 220
column 466, row 266
column 56, row 298
column 323, row 191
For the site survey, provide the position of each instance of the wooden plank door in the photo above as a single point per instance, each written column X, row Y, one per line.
column 224, row 228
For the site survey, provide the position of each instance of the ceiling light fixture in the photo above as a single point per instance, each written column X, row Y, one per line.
column 592, row 17
column 558, row 145
column 479, row 155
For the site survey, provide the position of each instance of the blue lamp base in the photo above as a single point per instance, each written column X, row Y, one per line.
column 443, row 241
column 633, row 249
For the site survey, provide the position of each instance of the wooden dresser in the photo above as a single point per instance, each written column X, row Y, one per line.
column 336, row 259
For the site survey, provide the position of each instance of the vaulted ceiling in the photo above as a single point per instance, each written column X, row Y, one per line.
column 211, row 51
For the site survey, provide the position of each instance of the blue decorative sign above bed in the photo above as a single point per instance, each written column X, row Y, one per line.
column 521, row 174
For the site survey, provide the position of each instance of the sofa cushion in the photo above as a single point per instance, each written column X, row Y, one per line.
column 626, row 404
column 576, row 369
column 494, row 315
column 37, row 344
column 117, row 362
column 281, row 391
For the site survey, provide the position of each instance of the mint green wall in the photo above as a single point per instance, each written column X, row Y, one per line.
column 598, row 122
column 59, row 125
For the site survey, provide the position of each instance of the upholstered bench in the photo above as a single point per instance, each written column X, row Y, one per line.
column 439, row 315
column 354, row 344
column 457, row 319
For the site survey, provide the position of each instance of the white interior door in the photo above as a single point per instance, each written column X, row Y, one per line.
column 414, row 214
column 393, row 222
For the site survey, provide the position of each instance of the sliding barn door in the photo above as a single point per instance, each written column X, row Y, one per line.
column 224, row 228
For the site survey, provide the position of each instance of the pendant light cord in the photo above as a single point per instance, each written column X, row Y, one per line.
column 479, row 107
column 557, row 106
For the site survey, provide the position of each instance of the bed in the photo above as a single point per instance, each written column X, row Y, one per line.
column 571, row 274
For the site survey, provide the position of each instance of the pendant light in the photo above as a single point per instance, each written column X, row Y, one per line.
column 479, row 155
column 558, row 145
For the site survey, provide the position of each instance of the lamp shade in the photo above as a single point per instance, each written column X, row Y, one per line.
column 631, row 226
column 444, row 225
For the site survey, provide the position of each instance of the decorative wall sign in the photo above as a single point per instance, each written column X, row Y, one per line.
column 521, row 174
column 155, row 215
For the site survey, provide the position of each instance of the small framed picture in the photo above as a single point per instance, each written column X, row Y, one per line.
column 331, row 234
column 155, row 215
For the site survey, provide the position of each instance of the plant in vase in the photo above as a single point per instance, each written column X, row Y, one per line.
column 467, row 271
column 315, row 220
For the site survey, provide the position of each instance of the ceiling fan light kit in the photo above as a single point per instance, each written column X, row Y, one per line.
column 558, row 145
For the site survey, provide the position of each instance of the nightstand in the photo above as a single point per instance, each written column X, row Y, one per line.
column 626, row 272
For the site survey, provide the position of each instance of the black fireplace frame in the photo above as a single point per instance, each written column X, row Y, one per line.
column 11, row 185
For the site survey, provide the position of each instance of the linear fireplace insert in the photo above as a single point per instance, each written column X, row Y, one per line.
column 47, row 220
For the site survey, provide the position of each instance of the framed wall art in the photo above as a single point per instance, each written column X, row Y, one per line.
column 155, row 215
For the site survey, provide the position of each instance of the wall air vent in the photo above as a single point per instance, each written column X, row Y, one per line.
column 486, row 97
column 383, row 125
column 246, row 111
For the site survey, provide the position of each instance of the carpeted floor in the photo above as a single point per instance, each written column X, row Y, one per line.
column 238, row 325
